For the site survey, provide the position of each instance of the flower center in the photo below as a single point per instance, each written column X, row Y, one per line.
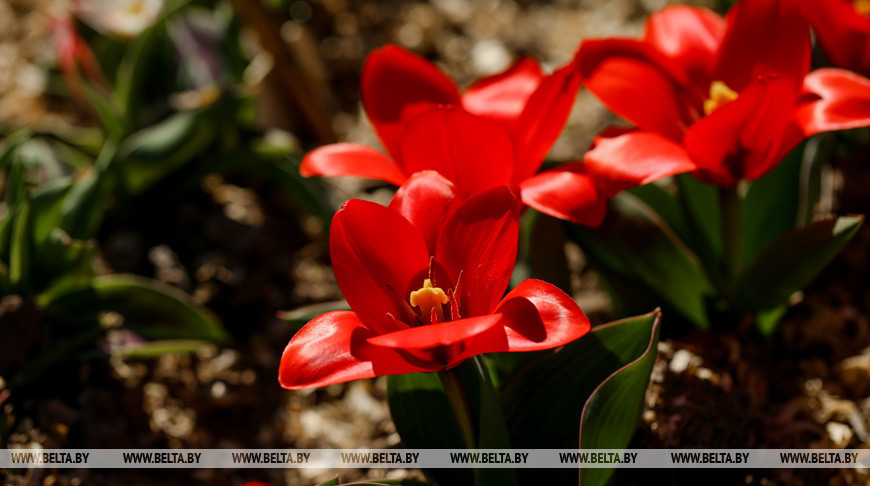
column 429, row 299
column 862, row 6
column 721, row 95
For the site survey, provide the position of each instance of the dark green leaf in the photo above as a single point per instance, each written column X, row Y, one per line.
column 769, row 208
column 701, row 203
column 493, row 432
column 610, row 415
column 106, row 111
column 788, row 263
column 301, row 315
column 150, row 154
column 309, row 194
column 83, row 208
column 150, row 308
column 424, row 419
column 155, row 349
column 607, row 370
column 46, row 209
column 20, row 248
column 637, row 247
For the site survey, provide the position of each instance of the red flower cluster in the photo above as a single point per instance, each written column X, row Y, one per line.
column 725, row 99
column 426, row 279
column 732, row 96
column 496, row 132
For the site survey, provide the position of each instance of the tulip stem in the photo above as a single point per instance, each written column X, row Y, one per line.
column 729, row 204
column 452, row 383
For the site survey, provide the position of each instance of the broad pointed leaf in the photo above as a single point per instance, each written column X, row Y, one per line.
column 789, row 263
column 151, row 309
column 608, row 371
column 636, row 247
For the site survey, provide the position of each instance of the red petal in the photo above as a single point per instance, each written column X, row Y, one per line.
column 436, row 335
column 332, row 348
column 566, row 192
column 544, row 118
column 425, row 200
column 763, row 37
column 503, row 97
column 378, row 258
column 842, row 31
column 537, row 315
column 474, row 153
column 479, row 242
column 397, row 85
column 635, row 158
column 746, row 137
column 842, row 101
column 350, row 159
column 449, row 343
column 690, row 36
column 637, row 84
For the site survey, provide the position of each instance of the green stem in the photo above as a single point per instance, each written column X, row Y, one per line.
column 729, row 203
column 452, row 383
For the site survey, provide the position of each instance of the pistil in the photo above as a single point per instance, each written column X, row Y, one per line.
column 429, row 299
column 720, row 95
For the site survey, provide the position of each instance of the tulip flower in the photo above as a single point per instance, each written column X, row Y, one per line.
column 426, row 279
column 124, row 18
column 74, row 56
column 730, row 96
column 497, row 132
column 842, row 29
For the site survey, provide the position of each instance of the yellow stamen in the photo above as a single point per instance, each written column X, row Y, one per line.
column 428, row 298
column 720, row 95
column 862, row 6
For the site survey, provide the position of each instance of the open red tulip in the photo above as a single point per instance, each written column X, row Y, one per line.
column 842, row 29
column 425, row 279
column 497, row 132
column 732, row 96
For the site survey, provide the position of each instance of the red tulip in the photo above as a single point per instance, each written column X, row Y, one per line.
column 497, row 132
column 730, row 96
column 425, row 279
column 842, row 29
column 74, row 56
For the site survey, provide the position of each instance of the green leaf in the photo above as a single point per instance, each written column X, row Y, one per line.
column 700, row 202
column 301, row 315
column 46, row 205
column 788, row 263
column 424, row 419
column 112, row 121
column 155, row 349
column 10, row 144
column 770, row 206
column 62, row 264
column 493, row 433
column 608, row 371
column 150, row 308
column 83, row 208
column 20, row 249
column 150, row 154
column 309, row 194
column 767, row 319
column 636, row 248
column 611, row 414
